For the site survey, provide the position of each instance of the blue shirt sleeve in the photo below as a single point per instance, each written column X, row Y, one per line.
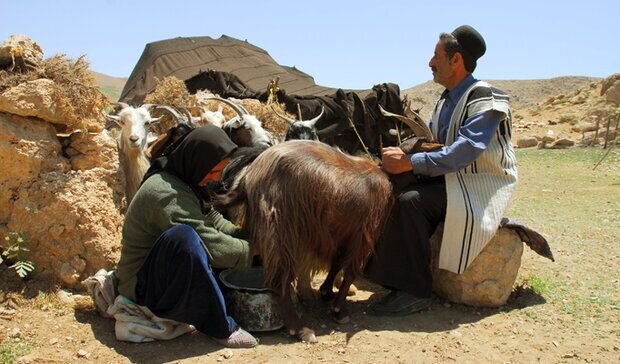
column 473, row 138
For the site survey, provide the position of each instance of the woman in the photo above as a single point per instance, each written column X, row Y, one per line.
column 172, row 238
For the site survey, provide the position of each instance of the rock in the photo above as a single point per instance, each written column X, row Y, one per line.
column 608, row 82
column 561, row 143
column 583, row 127
column 37, row 98
column 18, row 52
column 65, row 297
column 83, row 354
column 489, row 279
column 613, row 94
column 72, row 217
column 69, row 275
column 527, row 142
column 15, row 332
column 227, row 353
column 549, row 137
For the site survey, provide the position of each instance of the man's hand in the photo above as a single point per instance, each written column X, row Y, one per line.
column 395, row 161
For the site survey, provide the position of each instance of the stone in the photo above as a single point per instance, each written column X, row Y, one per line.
column 72, row 217
column 608, row 82
column 549, row 137
column 19, row 52
column 613, row 93
column 527, row 142
column 488, row 280
column 561, row 143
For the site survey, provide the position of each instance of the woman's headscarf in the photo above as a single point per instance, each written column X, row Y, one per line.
column 193, row 156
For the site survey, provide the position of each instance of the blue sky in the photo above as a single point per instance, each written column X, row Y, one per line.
column 342, row 44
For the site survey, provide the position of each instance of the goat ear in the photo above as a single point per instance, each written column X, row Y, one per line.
column 115, row 118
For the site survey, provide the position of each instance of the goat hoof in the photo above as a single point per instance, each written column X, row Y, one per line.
column 352, row 291
column 307, row 335
column 341, row 317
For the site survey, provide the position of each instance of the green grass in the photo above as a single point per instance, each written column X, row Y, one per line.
column 113, row 93
column 12, row 349
column 577, row 209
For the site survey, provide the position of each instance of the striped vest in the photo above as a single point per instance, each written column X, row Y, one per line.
column 478, row 194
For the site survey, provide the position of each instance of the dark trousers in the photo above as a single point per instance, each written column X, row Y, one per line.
column 402, row 254
column 177, row 283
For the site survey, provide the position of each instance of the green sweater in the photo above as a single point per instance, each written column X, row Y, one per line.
column 163, row 201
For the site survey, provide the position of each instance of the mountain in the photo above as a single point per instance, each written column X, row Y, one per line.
column 111, row 86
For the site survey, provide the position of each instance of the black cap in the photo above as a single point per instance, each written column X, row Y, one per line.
column 470, row 41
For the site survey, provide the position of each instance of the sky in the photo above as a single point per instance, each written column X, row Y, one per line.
column 341, row 44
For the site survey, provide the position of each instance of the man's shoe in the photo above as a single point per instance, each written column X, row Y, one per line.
column 398, row 303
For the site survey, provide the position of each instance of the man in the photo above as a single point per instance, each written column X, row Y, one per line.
column 467, row 183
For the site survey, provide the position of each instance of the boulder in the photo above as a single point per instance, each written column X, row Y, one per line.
column 527, row 142
column 20, row 52
column 38, row 99
column 549, row 137
column 608, row 82
column 488, row 280
column 68, row 210
column 561, row 143
column 613, row 93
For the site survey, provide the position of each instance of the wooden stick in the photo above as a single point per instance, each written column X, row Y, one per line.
column 607, row 134
column 299, row 112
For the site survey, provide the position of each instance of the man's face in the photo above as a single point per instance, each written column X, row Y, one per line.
column 442, row 67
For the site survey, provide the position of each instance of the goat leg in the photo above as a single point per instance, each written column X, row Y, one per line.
column 292, row 320
column 340, row 312
column 326, row 289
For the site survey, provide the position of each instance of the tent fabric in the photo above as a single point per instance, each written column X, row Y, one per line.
column 233, row 68
column 186, row 57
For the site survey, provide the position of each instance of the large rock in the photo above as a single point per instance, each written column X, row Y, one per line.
column 38, row 99
column 20, row 52
column 489, row 279
column 527, row 142
column 71, row 218
column 613, row 93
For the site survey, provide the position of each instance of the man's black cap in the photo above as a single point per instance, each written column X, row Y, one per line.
column 470, row 41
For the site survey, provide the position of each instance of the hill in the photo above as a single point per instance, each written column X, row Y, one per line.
column 111, row 86
column 523, row 93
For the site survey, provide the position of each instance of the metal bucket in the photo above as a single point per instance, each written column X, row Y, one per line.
column 249, row 302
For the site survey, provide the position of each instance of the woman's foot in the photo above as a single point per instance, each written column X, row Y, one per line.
column 238, row 339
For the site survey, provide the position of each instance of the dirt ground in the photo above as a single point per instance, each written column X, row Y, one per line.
column 567, row 311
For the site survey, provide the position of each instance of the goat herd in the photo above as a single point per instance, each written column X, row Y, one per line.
column 308, row 206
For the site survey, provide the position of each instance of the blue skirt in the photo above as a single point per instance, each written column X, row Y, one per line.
column 177, row 283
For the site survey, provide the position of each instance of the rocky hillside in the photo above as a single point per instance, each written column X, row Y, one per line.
column 559, row 108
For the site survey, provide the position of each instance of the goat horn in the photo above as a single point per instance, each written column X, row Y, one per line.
column 409, row 112
column 171, row 110
column 149, row 106
column 313, row 121
column 419, row 128
column 289, row 120
column 239, row 110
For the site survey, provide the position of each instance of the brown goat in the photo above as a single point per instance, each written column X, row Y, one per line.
column 311, row 207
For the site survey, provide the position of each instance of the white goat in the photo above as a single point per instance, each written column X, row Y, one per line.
column 245, row 129
column 212, row 117
column 134, row 123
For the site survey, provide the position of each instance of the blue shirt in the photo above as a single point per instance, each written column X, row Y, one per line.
column 473, row 137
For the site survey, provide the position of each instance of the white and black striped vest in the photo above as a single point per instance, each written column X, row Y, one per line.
column 478, row 194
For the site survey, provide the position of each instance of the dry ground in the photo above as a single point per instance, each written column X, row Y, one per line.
column 567, row 311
